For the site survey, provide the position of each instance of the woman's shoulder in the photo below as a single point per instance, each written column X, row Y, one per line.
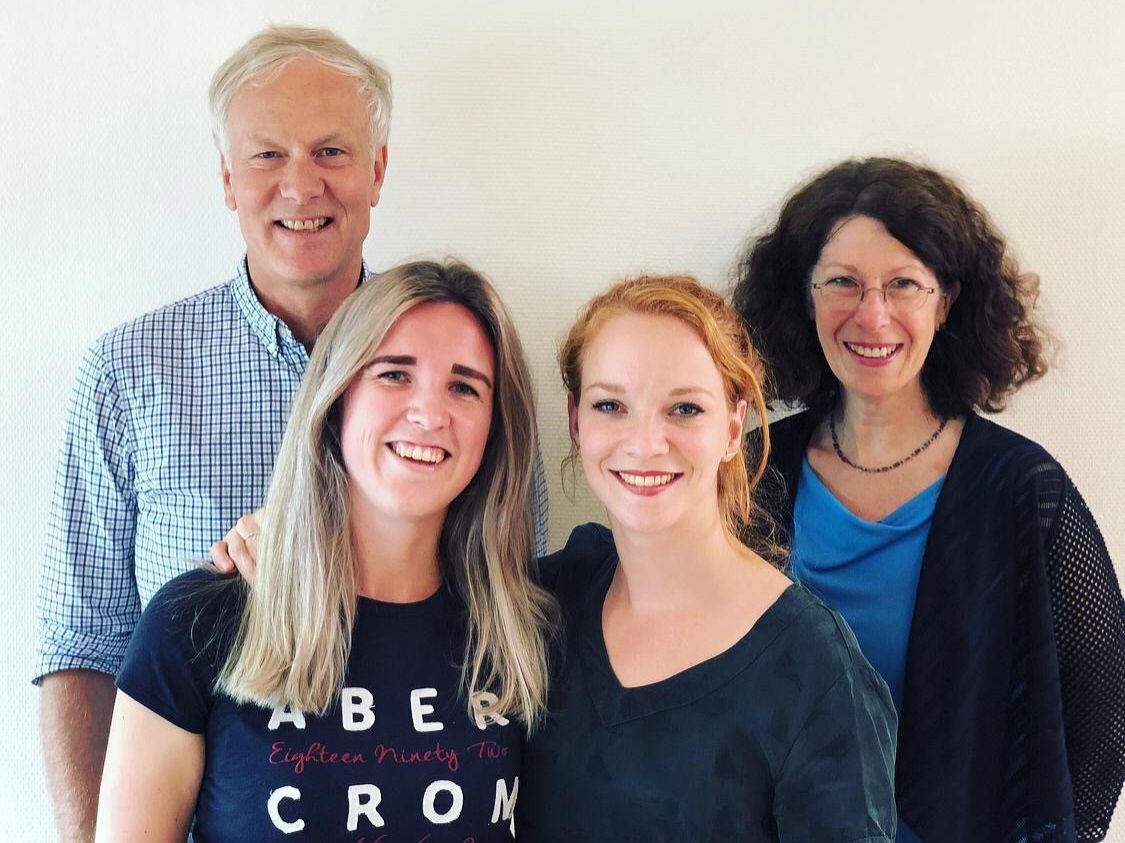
column 827, row 649
column 993, row 451
column 832, row 696
column 589, row 549
column 1002, row 442
column 816, row 624
column 180, row 644
column 195, row 609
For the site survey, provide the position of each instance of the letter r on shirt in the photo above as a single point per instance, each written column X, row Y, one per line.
column 483, row 703
column 363, row 800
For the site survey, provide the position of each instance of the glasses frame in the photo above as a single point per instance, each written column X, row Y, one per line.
column 863, row 291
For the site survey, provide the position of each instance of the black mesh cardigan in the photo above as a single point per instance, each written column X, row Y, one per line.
column 1013, row 721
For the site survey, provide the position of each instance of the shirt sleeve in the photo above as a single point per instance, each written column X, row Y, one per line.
column 837, row 782
column 1089, row 622
column 88, row 599
column 173, row 656
column 539, row 504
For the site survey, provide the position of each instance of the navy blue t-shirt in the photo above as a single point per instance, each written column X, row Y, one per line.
column 786, row 736
column 396, row 758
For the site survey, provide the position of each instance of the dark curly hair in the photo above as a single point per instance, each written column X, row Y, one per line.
column 989, row 346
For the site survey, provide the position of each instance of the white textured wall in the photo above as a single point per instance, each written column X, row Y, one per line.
column 556, row 145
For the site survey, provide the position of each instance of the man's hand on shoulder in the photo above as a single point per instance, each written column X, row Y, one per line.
column 238, row 549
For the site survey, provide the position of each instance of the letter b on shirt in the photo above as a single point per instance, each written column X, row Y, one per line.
column 356, row 706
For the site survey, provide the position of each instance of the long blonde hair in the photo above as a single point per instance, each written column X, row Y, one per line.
column 292, row 645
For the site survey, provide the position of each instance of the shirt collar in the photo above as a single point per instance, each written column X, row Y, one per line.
column 273, row 333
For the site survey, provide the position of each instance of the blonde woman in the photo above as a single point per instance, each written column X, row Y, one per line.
column 702, row 695
column 376, row 678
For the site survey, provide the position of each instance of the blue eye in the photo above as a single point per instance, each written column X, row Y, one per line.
column 607, row 405
column 842, row 282
column 331, row 152
column 268, row 155
column 905, row 285
column 394, row 376
column 687, row 409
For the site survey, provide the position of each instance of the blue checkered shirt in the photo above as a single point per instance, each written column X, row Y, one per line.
column 171, row 433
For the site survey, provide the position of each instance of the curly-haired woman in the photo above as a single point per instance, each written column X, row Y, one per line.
column 960, row 552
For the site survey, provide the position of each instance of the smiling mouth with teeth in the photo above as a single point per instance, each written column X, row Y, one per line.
column 645, row 480
column 418, row 453
column 874, row 352
column 305, row 225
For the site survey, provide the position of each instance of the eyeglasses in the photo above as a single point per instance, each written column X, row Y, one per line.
column 902, row 294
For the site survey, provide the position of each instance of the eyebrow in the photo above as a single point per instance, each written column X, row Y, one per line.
column 331, row 138
column 675, row 393
column 469, row 372
column 261, row 140
column 266, row 140
column 906, row 266
column 408, row 360
column 607, row 387
column 691, row 390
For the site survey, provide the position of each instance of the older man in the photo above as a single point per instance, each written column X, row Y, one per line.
column 176, row 417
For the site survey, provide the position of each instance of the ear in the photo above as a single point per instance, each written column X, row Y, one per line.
column 947, row 299
column 736, row 422
column 228, row 189
column 380, row 174
column 572, row 420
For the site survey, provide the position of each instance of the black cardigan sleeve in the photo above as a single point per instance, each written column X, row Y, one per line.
column 1089, row 628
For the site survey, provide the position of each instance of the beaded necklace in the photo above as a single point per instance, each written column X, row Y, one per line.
column 880, row 469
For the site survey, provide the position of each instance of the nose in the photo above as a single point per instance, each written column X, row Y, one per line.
column 301, row 181
column 646, row 438
column 428, row 410
column 872, row 312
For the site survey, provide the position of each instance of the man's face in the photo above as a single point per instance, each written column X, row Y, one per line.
column 302, row 175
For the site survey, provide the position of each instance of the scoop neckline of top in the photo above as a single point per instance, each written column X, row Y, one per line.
column 616, row 703
column 806, row 466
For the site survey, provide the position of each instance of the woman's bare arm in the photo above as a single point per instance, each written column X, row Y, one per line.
column 151, row 779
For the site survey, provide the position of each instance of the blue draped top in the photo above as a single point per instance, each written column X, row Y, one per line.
column 866, row 570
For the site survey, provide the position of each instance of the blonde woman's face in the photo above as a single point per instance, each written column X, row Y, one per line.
column 653, row 424
column 415, row 421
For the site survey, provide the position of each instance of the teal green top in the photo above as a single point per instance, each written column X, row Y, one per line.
column 787, row 735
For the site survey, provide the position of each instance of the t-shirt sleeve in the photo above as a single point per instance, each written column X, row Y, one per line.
column 176, row 651
column 837, row 782
column 588, row 546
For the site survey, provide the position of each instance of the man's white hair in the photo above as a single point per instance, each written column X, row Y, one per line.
column 266, row 53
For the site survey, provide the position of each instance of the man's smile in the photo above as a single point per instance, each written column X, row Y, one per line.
column 314, row 224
